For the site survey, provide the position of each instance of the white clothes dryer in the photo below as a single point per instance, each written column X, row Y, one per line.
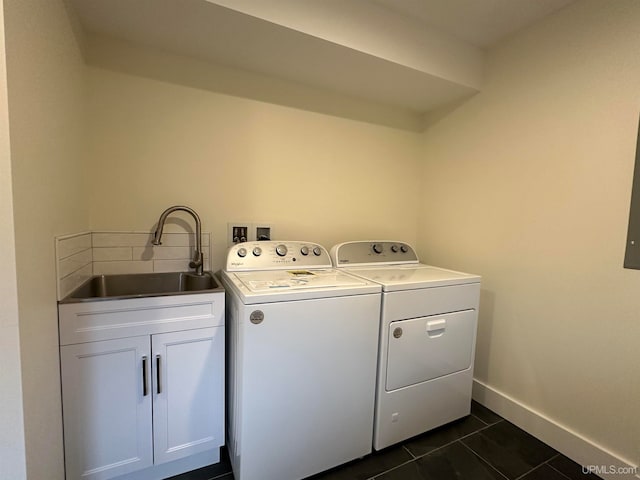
column 302, row 349
column 427, row 338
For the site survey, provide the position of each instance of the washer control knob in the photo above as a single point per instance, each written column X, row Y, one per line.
column 281, row 250
column 377, row 248
column 316, row 251
column 242, row 252
column 404, row 248
column 257, row 251
column 304, row 250
column 394, row 248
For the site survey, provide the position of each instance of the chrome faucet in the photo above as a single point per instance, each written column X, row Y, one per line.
column 198, row 258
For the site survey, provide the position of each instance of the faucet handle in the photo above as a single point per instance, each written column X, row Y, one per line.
column 197, row 262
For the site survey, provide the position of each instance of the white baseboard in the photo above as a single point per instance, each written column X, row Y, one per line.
column 566, row 441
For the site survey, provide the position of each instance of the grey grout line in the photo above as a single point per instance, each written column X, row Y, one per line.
column 547, row 462
column 484, row 459
column 410, row 452
column 458, row 439
column 529, row 471
column 221, row 475
column 439, row 448
column 378, row 475
column 487, row 424
column 477, row 417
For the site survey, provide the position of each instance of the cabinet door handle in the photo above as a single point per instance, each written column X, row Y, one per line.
column 145, row 385
column 158, row 374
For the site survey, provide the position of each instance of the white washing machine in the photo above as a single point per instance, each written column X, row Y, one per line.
column 427, row 338
column 302, row 352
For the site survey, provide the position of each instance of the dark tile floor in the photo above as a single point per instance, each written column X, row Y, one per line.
column 480, row 446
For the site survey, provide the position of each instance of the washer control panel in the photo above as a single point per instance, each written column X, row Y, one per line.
column 372, row 252
column 274, row 255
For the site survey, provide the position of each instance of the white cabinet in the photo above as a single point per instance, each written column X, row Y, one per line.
column 146, row 406
column 107, row 417
column 187, row 386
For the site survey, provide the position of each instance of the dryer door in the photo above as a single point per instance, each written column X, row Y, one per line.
column 421, row 349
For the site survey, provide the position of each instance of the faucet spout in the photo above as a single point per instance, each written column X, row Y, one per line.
column 198, row 258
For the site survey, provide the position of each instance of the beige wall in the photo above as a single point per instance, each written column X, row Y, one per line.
column 312, row 176
column 529, row 185
column 12, row 454
column 46, row 99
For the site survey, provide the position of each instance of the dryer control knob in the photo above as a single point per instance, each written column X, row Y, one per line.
column 281, row 250
column 394, row 248
column 316, row 251
column 304, row 250
column 257, row 251
column 242, row 252
column 404, row 248
column 377, row 248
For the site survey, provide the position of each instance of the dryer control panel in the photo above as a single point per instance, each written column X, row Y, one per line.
column 275, row 255
column 372, row 252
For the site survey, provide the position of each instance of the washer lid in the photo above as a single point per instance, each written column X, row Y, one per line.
column 284, row 285
column 267, row 281
column 413, row 276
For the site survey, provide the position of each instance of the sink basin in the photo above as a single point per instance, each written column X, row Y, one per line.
column 110, row 287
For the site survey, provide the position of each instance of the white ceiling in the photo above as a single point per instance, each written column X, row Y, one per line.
column 415, row 55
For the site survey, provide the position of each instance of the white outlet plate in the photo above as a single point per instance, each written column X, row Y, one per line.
column 254, row 230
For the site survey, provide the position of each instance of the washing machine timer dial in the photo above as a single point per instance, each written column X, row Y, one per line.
column 377, row 248
column 267, row 255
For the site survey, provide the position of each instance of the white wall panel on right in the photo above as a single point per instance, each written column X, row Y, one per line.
column 528, row 184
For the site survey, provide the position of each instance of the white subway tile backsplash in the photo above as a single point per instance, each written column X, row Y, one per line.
column 176, row 265
column 119, row 267
column 183, row 240
column 171, row 265
column 104, row 254
column 69, row 283
column 81, row 255
column 68, row 265
column 121, row 239
column 71, row 244
column 164, row 253
column 73, row 261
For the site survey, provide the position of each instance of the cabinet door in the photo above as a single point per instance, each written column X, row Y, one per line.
column 107, row 416
column 188, row 386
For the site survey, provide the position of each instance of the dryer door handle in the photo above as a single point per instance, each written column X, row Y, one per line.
column 435, row 328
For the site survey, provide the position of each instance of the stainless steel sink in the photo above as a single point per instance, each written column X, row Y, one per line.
column 111, row 287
